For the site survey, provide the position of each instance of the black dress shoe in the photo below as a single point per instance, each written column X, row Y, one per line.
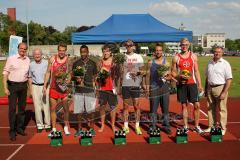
column 167, row 130
column 48, row 129
column 12, row 138
column 39, row 130
column 21, row 132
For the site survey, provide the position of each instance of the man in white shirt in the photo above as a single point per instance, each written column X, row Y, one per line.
column 218, row 81
column 132, row 78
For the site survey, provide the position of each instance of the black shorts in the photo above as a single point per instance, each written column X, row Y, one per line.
column 107, row 97
column 130, row 92
column 187, row 93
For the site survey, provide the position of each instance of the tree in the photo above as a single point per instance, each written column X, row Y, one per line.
column 5, row 23
column 37, row 33
column 237, row 42
column 50, row 38
column 68, row 32
column 230, row 45
column 21, row 29
column 59, row 37
column 50, row 30
column 197, row 49
column 84, row 28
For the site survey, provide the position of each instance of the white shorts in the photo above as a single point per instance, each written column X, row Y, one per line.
column 84, row 102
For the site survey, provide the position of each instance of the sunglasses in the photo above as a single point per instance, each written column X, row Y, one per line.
column 128, row 46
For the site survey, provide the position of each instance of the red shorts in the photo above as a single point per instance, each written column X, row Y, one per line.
column 56, row 95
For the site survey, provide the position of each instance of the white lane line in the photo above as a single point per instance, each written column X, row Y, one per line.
column 16, row 151
column 203, row 119
column 11, row 144
column 26, row 127
column 205, row 114
column 233, row 122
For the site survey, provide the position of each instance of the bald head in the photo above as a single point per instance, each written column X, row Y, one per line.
column 37, row 54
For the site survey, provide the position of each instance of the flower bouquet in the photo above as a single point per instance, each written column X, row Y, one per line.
column 79, row 71
column 162, row 70
column 78, row 74
column 119, row 58
column 102, row 76
column 61, row 80
column 184, row 76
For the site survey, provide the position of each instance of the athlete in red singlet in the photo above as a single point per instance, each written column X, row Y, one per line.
column 188, row 85
column 107, row 94
column 108, row 85
column 57, row 63
column 55, row 92
column 187, row 64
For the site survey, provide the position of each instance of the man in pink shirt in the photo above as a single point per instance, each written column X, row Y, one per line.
column 15, row 77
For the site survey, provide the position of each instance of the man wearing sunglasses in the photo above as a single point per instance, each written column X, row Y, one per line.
column 131, row 81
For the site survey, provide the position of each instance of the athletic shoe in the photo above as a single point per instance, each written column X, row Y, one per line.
column 51, row 133
column 92, row 131
column 48, row 129
column 207, row 130
column 78, row 133
column 185, row 129
column 138, row 131
column 224, row 131
column 39, row 130
column 167, row 130
column 126, row 129
column 198, row 130
column 66, row 131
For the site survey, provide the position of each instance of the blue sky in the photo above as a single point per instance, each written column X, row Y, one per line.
column 200, row 16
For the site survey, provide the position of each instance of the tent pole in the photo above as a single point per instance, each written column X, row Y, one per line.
column 72, row 50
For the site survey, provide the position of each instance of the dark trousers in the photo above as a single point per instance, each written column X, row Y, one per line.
column 159, row 96
column 18, row 95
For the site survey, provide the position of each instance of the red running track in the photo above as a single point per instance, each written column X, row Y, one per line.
column 36, row 146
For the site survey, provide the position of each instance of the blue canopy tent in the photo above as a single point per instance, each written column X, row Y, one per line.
column 138, row 27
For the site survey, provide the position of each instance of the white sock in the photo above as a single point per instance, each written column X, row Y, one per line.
column 126, row 124
column 137, row 124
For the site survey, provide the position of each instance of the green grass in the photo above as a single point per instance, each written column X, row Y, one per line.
column 234, row 61
column 2, row 63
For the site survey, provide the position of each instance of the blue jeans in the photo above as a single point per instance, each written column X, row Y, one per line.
column 159, row 96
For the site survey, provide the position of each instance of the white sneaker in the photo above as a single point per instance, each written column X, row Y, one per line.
column 207, row 130
column 53, row 130
column 66, row 131
column 198, row 130
column 224, row 131
column 186, row 129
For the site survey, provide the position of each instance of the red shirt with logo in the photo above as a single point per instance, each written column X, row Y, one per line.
column 187, row 64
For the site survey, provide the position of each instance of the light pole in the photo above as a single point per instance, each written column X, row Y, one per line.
column 27, row 26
